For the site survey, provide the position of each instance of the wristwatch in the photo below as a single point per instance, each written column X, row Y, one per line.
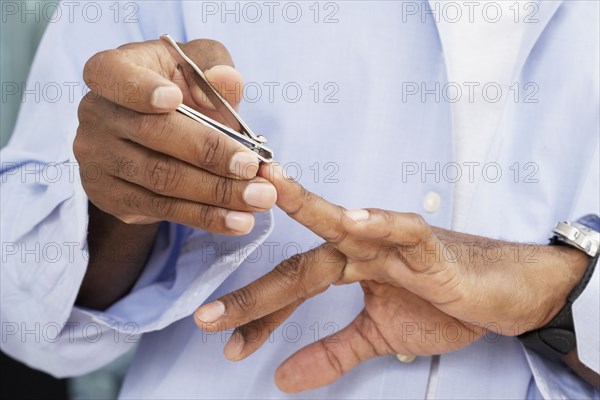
column 557, row 338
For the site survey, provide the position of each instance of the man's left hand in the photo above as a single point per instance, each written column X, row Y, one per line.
column 416, row 278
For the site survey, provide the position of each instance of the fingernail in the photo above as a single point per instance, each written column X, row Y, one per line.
column 260, row 195
column 357, row 215
column 244, row 164
column 166, row 97
column 235, row 345
column 220, row 67
column 239, row 221
column 211, row 312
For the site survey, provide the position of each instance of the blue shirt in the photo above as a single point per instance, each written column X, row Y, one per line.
column 332, row 92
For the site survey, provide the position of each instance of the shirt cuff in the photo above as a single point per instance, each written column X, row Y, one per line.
column 586, row 317
column 185, row 267
column 555, row 380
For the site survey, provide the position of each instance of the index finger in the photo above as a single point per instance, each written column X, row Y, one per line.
column 312, row 211
column 295, row 279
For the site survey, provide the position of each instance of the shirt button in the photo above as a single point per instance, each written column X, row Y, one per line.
column 432, row 202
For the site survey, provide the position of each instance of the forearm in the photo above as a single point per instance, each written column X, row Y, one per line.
column 118, row 253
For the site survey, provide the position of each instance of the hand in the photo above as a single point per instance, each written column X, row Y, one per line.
column 142, row 162
column 427, row 290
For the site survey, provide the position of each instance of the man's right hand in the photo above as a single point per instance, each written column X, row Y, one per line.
column 142, row 162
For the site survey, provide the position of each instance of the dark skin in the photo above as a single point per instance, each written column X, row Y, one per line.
column 412, row 275
column 141, row 162
column 118, row 253
column 156, row 166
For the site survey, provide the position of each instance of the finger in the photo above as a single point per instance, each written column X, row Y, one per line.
column 249, row 337
column 171, row 177
column 356, row 271
column 312, row 211
column 416, row 259
column 207, row 53
column 121, row 77
column 129, row 202
column 228, row 81
column 389, row 236
column 216, row 63
column 176, row 135
column 389, row 226
column 297, row 278
column 407, row 236
column 325, row 361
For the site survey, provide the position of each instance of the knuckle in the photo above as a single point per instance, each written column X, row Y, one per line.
column 132, row 201
column 223, row 191
column 207, row 216
column 163, row 207
column 333, row 262
column 215, row 46
column 332, row 359
column 144, row 123
column 123, row 167
column 212, row 51
column 154, row 129
column 129, row 46
column 243, row 299
column 85, row 111
column 81, row 146
column 391, row 220
column 291, row 273
column 306, row 200
column 332, row 254
column 163, row 174
column 253, row 331
column 418, row 222
column 94, row 65
column 213, row 151
column 307, row 196
column 336, row 237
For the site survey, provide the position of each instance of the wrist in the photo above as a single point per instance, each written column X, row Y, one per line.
column 558, row 270
column 118, row 254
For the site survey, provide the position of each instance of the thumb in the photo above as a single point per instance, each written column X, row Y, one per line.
column 134, row 77
column 325, row 361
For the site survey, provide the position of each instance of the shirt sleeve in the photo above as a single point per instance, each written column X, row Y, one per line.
column 586, row 308
column 554, row 379
column 44, row 221
column 586, row 315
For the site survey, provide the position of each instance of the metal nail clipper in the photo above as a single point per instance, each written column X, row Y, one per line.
column 234, row 126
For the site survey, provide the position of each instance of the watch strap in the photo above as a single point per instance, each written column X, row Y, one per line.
column 557, row 338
